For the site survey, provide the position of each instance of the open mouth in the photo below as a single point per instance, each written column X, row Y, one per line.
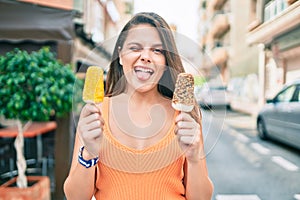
column 143, row 73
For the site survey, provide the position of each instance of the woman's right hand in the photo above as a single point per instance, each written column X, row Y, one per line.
column 90, row 128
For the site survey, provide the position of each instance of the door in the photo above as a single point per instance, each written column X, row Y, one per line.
column 285, row 117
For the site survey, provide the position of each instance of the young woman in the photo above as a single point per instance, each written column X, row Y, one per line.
column 134, row 145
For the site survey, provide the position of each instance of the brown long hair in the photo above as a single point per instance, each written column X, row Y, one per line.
column 115, row 81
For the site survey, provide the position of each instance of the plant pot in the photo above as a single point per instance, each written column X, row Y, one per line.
column 38, row 189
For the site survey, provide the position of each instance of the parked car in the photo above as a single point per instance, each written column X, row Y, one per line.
column 280, row 117
column 209, row 96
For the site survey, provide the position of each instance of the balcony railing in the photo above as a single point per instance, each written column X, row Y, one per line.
column 220, row 25
column 274, row 8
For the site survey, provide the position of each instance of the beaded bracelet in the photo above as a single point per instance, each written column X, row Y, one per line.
column 86, row 163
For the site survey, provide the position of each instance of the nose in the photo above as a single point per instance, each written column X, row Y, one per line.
column 145, row 55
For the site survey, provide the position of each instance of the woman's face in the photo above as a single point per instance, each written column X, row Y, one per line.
column 142, row 58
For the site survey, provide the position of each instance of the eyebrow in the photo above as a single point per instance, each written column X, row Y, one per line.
column 137, row 43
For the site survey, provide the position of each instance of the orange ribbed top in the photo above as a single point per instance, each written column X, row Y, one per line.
column 124, row 173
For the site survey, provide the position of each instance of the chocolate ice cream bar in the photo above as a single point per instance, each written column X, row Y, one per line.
column 183, row 97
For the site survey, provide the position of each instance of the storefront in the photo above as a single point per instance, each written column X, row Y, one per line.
column 29, row 26
column 286, row 49
column 279, row 45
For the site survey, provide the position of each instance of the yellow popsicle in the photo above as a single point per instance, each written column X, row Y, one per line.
column 93, row 90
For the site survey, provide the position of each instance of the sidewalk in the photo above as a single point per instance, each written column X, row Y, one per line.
column 238, row 120
column 244, row 107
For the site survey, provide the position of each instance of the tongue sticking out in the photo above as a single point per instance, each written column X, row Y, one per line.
column 143, row 76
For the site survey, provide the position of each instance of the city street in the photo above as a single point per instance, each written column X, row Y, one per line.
column 241, row 54
column 242, row 166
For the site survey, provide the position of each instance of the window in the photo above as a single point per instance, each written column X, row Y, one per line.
column 297, row 94
column 273, row 8
column 255, row 14
column 287, row 94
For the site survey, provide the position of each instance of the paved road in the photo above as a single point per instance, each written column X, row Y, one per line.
column 242, row 166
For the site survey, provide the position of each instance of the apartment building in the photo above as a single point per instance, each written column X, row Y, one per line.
column 254, row 44
column 274, row 27
column 214, row 38
column 97, row 24
column 223, row 28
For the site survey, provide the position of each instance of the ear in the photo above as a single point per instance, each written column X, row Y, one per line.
column 120, row 59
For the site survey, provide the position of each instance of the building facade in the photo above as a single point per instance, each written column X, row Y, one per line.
column 223, row 29
column 275, row 28
column 255, row 44
column 214, row 38
column 97, row 23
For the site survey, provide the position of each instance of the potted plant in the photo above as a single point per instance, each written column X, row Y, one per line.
column 33, row 87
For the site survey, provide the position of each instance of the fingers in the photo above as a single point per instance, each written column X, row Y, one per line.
column 187, row 129
column 90, row 128
column 89, row 114
column 188, row 137
column 93, row 117
column 189, row 140
column 186, row 125
column 91, row 122
column 92, row 135
column 185, row 122
column 183, row 116
column 89, row 109
column 93, row 125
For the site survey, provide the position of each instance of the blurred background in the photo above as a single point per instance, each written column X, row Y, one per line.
column 241, row 53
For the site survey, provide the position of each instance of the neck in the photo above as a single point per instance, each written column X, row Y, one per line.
column 139, row 99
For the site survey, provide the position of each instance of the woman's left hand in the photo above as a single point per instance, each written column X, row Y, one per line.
column 189, row 136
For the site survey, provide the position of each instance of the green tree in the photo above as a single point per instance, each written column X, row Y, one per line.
column 33, row 87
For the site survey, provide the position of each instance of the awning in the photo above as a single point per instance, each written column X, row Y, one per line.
column 23, row 21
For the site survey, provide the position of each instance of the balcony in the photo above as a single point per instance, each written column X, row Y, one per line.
column 274, row 8
column 219, row 55
column 216, row 4
column 220, row 26
column 286, row 20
